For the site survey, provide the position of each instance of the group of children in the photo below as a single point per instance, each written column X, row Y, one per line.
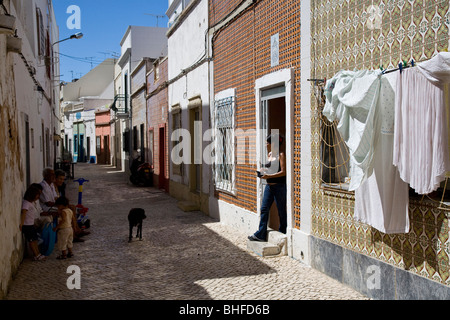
column 64, row 216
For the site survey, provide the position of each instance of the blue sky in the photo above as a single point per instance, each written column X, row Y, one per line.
column 103, row 23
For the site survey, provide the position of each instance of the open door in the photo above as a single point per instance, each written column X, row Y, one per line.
column 273, row 120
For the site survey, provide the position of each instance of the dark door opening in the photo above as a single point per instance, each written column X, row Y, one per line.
column 273, row 116
column 162, row 159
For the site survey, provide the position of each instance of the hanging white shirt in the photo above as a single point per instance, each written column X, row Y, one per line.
column 382, row 201
column 364, row 104
column 420, row 136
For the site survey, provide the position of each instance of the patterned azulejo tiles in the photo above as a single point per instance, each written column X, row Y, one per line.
column 351, row 34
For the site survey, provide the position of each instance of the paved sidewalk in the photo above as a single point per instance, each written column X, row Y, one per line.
column 183, row 256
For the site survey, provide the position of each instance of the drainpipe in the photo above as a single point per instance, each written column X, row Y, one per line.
column 130, row 112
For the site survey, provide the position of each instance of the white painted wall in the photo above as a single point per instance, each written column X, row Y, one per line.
column 300, row 238
column 92, row 91
column 137, row 43
column 186, row 47
column 31, row 103
column 20, row 102
column 11, row 248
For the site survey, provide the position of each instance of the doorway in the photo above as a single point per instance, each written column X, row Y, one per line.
column 195, row 167
column 162, row 159
column 88, row 148
column 273, row 120
column 81, row 151
column 27, row 151
column 106, row 149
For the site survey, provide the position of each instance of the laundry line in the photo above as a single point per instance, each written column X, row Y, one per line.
column 401, row 66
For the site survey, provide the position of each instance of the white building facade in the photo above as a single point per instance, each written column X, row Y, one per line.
column 29, row 115
column 80, row 101
column 137, row 43
column 189, row 102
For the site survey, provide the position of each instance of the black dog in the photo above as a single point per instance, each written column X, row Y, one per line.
column 135, row 218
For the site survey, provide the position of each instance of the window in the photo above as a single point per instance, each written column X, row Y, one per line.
column 40, row 32
column 75, row 144
column 176, row 124
column 156, row 71
column 47, row 147
column 142, row 142
column 224, row 163
column 32, row 138
column 334, row 153
column 135, row 138
column 125, row 85
column 126, row 140
column 334, row 156
column 98, row 145
column 151, row 145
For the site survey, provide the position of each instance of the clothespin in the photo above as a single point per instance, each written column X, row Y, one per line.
column 412, row 62
column 400, row 67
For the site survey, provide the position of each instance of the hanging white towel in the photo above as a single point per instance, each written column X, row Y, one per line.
column 421, row 151
column 382, row 201
column 351, row 97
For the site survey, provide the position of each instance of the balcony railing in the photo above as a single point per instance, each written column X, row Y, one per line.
column 120, row 104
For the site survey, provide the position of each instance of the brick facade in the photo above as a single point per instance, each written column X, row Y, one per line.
column 344, row 35
column 158, row 121
column 241, row 56
column 103, row 136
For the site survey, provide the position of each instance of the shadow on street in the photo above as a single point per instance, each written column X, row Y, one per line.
column 178, row 248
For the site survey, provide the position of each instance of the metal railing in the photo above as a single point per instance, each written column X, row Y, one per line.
column 120, row 104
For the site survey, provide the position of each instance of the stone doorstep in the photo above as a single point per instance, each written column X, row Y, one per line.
column 275, row 246
column 188, row 206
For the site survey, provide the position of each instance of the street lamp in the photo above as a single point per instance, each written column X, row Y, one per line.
column 77, row 35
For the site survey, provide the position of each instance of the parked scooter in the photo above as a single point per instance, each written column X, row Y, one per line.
column 141, row 173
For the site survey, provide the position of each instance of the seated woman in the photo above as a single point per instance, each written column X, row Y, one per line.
column 28, row 215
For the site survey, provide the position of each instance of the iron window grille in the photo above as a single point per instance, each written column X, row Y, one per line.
column 224, row 164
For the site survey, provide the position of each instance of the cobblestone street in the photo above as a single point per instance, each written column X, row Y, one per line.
column 183, row 256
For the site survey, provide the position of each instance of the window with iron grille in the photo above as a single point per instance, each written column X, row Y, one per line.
column 224, row 163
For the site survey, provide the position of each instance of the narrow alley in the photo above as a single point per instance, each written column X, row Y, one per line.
column 183, row 256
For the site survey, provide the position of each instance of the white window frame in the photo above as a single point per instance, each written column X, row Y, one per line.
column 228, row 186
column 281, row 77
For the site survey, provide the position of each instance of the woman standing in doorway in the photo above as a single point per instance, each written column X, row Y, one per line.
column 275, row 190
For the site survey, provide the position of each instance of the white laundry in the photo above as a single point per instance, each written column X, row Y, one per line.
column 382, row 201
column 364, row 104
column 421, row 150
column 351, row 97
